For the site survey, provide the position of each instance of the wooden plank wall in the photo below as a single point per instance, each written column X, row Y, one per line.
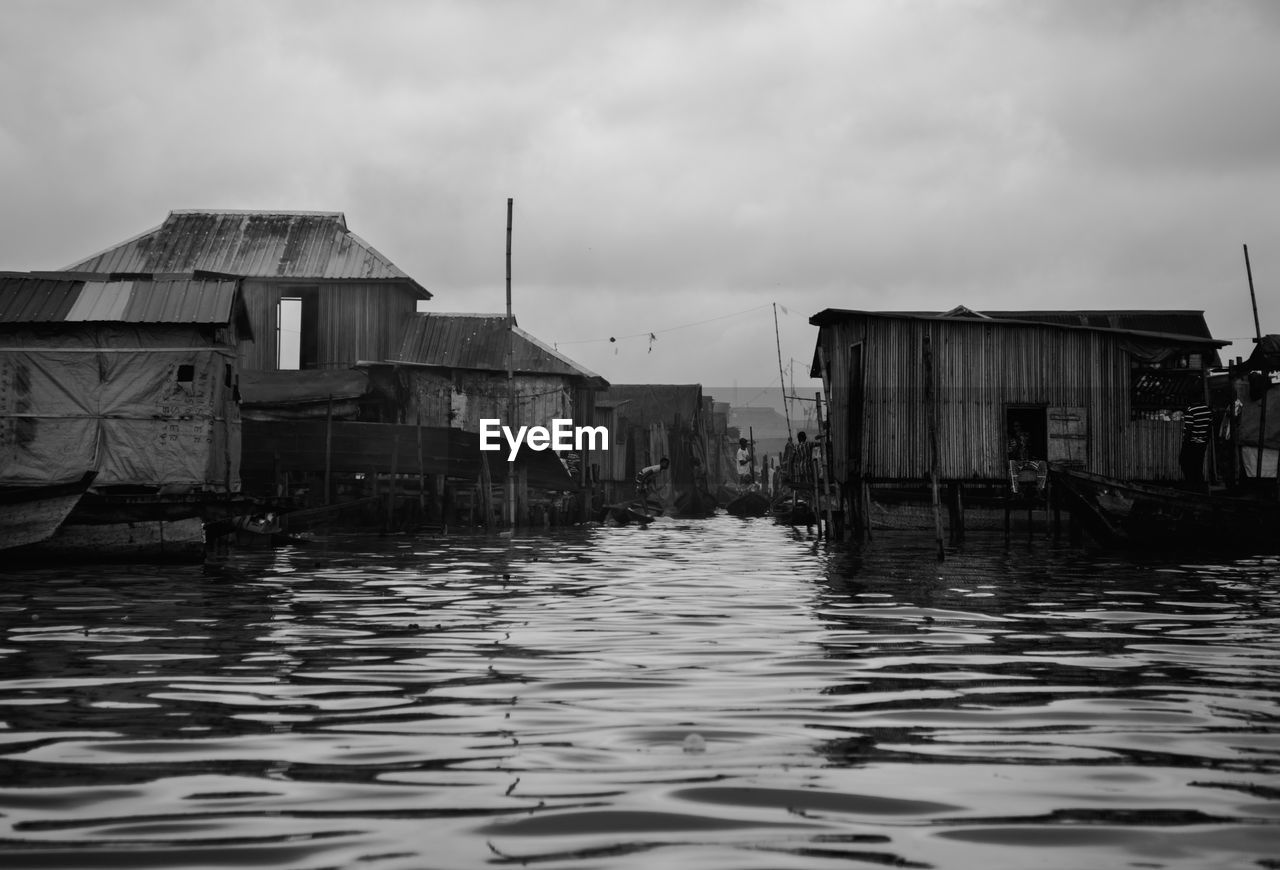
column 358, row 321
column 981, row 369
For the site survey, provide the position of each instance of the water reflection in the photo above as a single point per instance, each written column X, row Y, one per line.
column 696, row 694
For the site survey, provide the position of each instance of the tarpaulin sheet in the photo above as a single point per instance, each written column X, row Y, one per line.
column 140, row 415
column 1251, row 418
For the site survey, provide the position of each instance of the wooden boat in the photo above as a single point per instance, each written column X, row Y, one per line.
column 634, row 511
column 793, row 512
column 31, row 514
column 695, row 504
column 749, row 504
column 1127, row 513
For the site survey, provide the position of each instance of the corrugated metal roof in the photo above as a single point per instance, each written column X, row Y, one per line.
column 101, row 300
column 1167, row 322
column 479, row 341
column 253, row 244
column 26, row 299
column 1172, row 324
column 46, row 298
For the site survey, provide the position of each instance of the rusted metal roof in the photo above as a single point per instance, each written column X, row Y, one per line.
column 253, row 244
column 479, row 341
column 60, row 298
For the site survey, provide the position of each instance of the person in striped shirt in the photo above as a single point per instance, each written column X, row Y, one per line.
column 1196, row 421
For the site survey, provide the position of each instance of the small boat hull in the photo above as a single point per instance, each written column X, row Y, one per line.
column 32, row 514
column 749, row 504
column 1135, row 514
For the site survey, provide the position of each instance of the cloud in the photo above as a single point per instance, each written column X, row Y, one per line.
column 671, row 161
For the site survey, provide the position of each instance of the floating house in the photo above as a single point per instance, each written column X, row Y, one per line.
column 132, row 381
column 915, row 397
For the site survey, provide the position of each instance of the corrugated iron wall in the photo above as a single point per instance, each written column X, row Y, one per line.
column 357, row 321
column 979, row 370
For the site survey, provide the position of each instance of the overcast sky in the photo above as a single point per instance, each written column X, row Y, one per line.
column 677, row 166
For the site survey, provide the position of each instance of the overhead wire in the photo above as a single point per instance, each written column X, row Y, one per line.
column 652, row 334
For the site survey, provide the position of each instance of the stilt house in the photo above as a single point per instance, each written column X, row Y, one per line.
column 451, row 370
column 915, row 395
column 318, row 299
column 132, row 379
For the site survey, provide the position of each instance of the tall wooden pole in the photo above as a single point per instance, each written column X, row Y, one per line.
column 511, row 394
column 782, row 380
column 1257, row 331
column 1257, row 326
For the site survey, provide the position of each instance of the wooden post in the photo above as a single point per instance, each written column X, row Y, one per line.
column 522, row 495
column 751, row 452
column 820, row 469
column 931, row 412
column 486, row 491
column 391, row 481
column 1257, row 332
column 422, row 475
column 1262, row 433
column 328, row 449
column 1211, row 452
column 955, row 508
column 1236, row 471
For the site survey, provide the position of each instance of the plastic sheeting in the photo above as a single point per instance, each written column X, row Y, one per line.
column 1251, row 419
column 144, row 407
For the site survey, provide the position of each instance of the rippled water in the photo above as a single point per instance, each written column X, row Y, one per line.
column 704, row 694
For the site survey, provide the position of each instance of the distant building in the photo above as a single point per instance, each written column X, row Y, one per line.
column 653, row 421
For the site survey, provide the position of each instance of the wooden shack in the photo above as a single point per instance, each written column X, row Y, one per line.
column 134, row 379
column 451, row 370
column 915, row 397
column 318, row 299
column 317, row 296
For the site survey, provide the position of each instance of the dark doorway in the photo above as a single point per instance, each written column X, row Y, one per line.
column 1026, row 432
column 853, row 414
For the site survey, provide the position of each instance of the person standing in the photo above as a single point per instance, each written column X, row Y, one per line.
column 745, row 475
column 1196, row 420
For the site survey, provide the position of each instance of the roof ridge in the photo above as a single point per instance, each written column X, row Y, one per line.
column 291, row 211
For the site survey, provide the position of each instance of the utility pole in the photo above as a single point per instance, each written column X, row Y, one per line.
column 511, row 394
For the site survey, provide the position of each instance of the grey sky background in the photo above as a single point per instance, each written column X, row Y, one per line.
column 677, row 166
